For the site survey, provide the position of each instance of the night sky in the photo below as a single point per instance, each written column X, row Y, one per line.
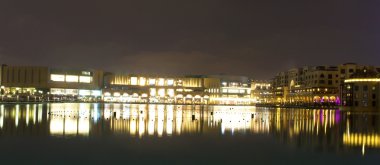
column 256, row 38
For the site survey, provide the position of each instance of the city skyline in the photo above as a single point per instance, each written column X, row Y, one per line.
column 255, row 39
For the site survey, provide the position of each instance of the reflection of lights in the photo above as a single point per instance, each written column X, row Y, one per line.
column 17, row 113
column 358, row 139
column 160, row 119
column 2, row 116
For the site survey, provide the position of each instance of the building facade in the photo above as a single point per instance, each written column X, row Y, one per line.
column 362, row 90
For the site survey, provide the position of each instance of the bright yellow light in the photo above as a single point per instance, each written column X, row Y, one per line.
column 362, row 80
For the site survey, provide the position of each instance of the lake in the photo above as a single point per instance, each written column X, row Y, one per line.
column 93, row 133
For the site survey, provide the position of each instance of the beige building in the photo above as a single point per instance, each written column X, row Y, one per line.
column 362, row 90
column 33, row 82
column 160, row 89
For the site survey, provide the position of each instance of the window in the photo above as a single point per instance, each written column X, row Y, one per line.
column 142, row 81
column 321, row 81
column 71, row 78
column 365, row 88
column 373, row 96
column 57, row 77
column 133, row 80
column 85, row 79
column 330, row 76
column 161, row 82
column 356, row 88
column 152, row 81
column 330, row 82
column 373, row 103
column 351, row 70
column 343, row 71
column 170, row 82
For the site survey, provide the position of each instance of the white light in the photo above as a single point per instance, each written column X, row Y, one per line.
column 133, row 80
column 142, row 81
column 84, row 92
column 85, row 79
column 116, row 94
column 96, row 93
column 152, row 81
column 57, row 77
column 171, row 92
column 71, row 78
column 170, row 82
column 161, row 82
column 161, row 92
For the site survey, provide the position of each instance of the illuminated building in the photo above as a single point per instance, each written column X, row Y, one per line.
column 308, row 85
column 30, row 83
column 234, row 90
column 362, row 89
column 262, row 92
column 160, row 89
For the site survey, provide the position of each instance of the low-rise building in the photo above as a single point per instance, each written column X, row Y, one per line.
column 160, row 89
column 362, row 89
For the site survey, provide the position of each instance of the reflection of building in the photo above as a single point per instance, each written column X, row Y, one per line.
column 362, row 89
column 160, row 89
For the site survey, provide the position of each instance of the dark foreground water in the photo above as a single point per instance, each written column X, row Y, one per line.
column 71, row 133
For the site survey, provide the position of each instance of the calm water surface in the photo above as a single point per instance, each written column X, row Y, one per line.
column 77, row 133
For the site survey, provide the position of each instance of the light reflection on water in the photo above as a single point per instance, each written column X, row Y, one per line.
column 342, row 131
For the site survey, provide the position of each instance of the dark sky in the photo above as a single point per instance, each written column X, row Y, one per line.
column 254, row 38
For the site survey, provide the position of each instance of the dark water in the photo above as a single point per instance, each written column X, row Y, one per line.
column 70, row 133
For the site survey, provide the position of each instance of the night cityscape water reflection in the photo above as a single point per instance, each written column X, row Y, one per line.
column 318, row 131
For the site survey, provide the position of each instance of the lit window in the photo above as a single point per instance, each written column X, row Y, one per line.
column 152, row 81
column 85, row 79
column 161, row 82
column 86, row 73
column 84, row 92
column 170, row 82
column 161, row 92
column 142, row 81
column 171, row 92
column 116, row 94
column 96, row 93
column 152, row 91
column 71, row 78
column 57, row 77
column 133, row 80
